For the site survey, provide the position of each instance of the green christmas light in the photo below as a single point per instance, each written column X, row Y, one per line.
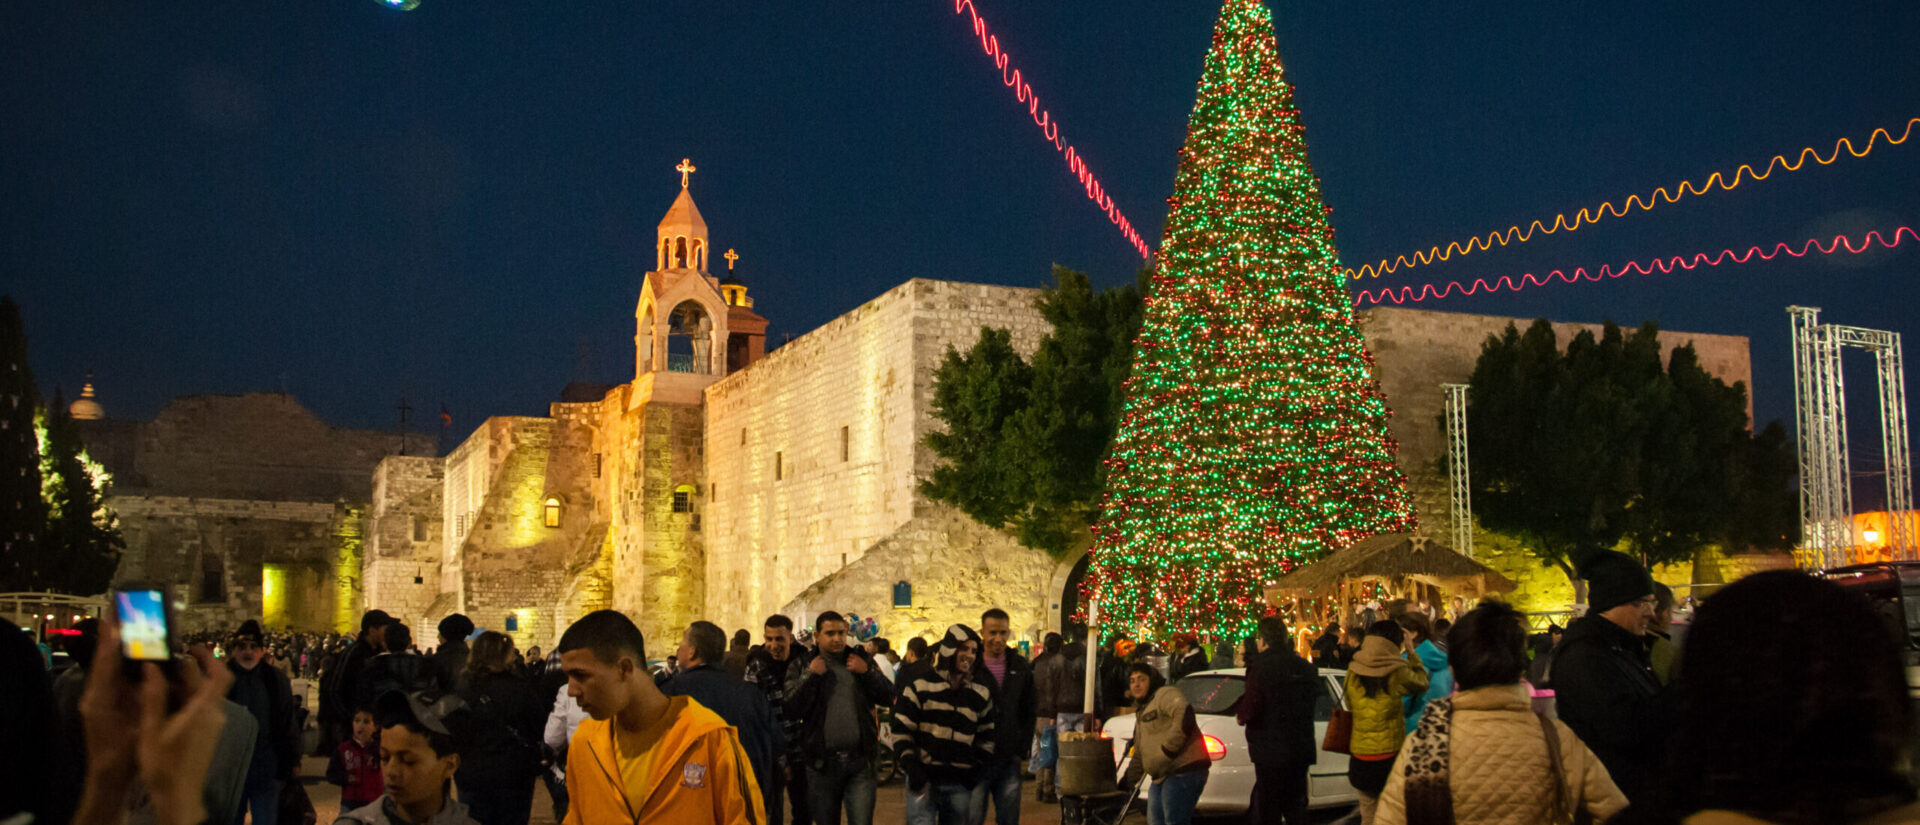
column 1254, row 437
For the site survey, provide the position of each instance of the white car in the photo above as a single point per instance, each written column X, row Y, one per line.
column 1215, row 696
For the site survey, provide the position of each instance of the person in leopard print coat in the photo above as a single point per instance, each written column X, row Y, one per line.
column 1482, row 756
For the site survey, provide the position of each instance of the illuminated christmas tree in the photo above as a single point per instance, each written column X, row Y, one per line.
column 1254, row 437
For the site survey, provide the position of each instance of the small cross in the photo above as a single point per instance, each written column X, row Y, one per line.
column 685, row 168
column 731, row 256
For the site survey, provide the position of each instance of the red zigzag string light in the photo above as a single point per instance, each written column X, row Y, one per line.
column 1408, row 294
column 1049, row 128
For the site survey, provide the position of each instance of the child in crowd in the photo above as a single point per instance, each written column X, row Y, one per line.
column 355, row 765
column 417, row 760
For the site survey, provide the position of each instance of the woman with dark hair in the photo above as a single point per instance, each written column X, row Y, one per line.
column 498, row 766
column 1168, row 742
column 1482, row 755
column 1777, row 723
column 1384, row 672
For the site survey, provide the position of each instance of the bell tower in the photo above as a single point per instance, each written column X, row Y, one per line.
column 685, row 320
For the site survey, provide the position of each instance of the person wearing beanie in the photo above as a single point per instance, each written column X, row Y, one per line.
column 450, row 657
column 1604, row 685
column 943, row 730
column 268, row 696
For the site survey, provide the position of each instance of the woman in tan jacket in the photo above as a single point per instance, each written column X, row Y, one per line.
column 1482, row 756
column 1172, row 751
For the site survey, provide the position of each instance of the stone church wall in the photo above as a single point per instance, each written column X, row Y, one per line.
column 401, row 571
column 248, row 506
column 956, row 570
column 229, row 560
column 510, row 563
column 813, row 453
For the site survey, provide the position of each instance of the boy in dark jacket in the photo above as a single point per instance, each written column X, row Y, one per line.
column 943, row 729
column 355, row 765
column 1015, row 708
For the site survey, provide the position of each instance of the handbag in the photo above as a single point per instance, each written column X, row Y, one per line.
column 1565, row 811
column 1339, row 738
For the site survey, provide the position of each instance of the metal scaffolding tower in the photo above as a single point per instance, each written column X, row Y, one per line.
column 1462, row 493
column 1820, row 414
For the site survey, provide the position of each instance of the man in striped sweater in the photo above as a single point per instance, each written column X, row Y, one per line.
column 943, row 730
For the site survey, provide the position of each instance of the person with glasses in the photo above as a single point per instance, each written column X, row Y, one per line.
column 1604, row 683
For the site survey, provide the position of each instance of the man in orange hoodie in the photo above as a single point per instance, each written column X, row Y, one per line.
column 643, row 757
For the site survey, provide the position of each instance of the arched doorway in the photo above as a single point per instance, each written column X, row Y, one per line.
column 1069, row 598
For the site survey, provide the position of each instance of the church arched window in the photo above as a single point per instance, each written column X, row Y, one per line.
column 553, row 512
column 699, row 254
column 689, row 339
column 643, row 352
column 680, row 252
column 683, row 498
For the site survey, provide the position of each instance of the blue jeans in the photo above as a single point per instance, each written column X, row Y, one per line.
column 1001, row 785
column 919, row 806
column 1171, row 801
column 957, row 804
column 841, row 781
column 262, row 795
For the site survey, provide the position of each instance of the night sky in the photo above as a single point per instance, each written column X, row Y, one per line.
column 456, row 204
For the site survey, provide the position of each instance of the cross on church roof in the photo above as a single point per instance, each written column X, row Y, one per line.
column 685, row 168
column 731, row 256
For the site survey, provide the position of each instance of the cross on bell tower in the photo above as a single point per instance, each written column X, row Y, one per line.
column 685, row 168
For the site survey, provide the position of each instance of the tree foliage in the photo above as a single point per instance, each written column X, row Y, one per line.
column 1603, row 445
column 1025, row 440
column 82, row 539
column 56, row 532
column 22, row 510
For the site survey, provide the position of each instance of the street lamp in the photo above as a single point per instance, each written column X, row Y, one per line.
column 1871, row 535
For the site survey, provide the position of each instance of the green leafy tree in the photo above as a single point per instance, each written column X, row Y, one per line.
column 1024, row 441
column 23, row 513
column 1603, row 445
column 82, row 537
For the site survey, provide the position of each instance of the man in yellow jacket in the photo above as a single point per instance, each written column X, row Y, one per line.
column 643, row 757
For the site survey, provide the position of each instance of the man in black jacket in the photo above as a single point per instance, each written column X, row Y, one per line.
column 1277, row 711
column 768, row 668
column 401, row 668
column 702, row 649
column 1015, row 708
column 450, row 657
column 1604, row 688
column 266, row 694
column 835, row 696
column 342, row 679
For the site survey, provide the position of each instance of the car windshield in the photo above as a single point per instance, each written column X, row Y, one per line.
column 1213, row 693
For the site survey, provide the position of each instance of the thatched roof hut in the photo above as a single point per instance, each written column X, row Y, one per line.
column 1398, row 560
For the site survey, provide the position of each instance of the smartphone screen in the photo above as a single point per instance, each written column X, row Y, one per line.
column 143, row 625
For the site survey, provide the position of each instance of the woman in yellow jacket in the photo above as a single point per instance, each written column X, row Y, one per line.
column 1384, row 672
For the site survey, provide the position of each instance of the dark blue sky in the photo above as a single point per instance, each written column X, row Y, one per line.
column 454, row 203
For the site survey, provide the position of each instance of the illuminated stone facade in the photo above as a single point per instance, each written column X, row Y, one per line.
column 244, row 506
column 725, row 483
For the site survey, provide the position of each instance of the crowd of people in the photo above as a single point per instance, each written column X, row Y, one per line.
column 1758, row 718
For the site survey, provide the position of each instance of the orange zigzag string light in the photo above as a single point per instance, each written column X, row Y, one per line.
column 1408, row 294
column 1587, row 216
column 1049, row 128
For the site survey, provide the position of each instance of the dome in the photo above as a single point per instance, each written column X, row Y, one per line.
column 85, row 408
